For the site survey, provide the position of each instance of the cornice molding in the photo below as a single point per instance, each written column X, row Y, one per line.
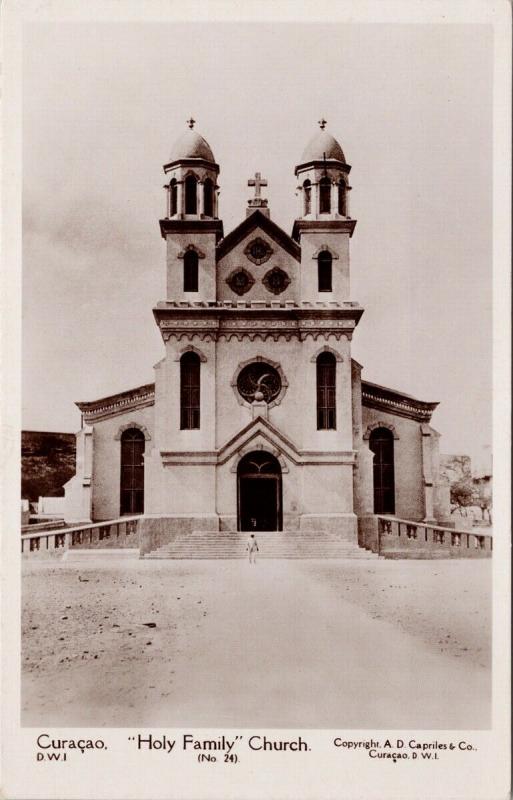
column 174, row 225
column 382, row 399
column 106, row 407
column 267, row 226
column 322, row 226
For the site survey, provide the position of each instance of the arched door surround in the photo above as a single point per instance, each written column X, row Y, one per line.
column 259, row 492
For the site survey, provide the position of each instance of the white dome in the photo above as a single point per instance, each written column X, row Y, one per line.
column 323, row 144
column 191, row 145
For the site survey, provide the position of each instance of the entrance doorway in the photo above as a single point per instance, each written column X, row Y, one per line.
column 382, row 445
column 259, row 492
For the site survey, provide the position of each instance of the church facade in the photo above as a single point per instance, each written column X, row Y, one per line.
column 258, row 418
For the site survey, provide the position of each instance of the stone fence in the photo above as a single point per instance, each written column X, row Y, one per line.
column 400, row 538
column 117, row 533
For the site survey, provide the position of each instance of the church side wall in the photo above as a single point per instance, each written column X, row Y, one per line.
column 107, row 460
column 409, row 480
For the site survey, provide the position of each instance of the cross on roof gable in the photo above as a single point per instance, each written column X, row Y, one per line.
column 258, row 220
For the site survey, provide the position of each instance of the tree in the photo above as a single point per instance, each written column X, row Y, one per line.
column 462, row 496
column 483, row 496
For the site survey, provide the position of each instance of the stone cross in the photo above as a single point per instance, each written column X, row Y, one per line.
column 257, row 182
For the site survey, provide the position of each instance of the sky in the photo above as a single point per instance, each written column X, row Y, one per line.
column 411, row 106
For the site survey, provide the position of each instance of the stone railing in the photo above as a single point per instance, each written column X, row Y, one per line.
column 115, row 533
column 401, row 538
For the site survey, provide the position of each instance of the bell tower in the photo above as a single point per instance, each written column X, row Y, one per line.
column 191, row 226
column 323, row 226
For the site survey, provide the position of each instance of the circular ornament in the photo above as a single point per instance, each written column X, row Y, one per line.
column 240, row 281
column 276, row 280
column 258, row 251
column 259, row 381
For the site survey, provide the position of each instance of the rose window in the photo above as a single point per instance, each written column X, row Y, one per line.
column 240, row 281
column 259, row 381
column 258, row 251
column 276, row 280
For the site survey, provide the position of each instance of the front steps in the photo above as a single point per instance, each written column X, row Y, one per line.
column 272, row 544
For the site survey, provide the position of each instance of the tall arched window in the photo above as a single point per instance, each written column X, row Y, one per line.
column 208, row 198
column 191, row 195
column 189, row 391
column 173, row 197
column 190, row 271
column 324, row 196
column 324, row 271
column 342, row 198
column 381, row 442
column 307, row 194
column 326, row 392
column 132, row 472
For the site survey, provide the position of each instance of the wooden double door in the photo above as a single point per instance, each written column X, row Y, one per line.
column 259, row 492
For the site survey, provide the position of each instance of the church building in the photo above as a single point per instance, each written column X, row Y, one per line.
column 258, row 418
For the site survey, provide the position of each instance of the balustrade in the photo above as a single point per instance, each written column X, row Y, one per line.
column 394, row 534
column 80, row 535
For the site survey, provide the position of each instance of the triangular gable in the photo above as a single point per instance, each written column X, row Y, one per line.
column 259, row 431
column 258, row 220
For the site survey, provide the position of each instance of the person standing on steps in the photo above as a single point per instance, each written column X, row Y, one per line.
column 252, row 548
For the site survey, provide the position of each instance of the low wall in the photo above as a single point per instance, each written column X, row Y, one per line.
column 116, row 534
column 368, row 532
column 395, row 538
column 158, row 531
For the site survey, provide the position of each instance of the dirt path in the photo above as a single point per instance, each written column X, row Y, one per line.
column 276, row 645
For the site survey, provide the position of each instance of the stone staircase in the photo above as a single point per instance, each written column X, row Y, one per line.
column 272, row 544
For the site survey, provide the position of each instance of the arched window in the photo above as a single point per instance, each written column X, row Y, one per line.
column 132, row 472
column 381, row 442
column 173, row 198
column 307, row 194
column 326, row 392
column 324, row 196
column 342, row 198
column 189, row 391
column 324, row 271
column 190, row 271
column 208, row 198
column 191, row 195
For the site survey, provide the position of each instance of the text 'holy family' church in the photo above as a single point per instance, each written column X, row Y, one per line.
column 258, row 418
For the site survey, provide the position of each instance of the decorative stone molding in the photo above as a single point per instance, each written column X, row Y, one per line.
column 325, row 248
column 262, row 447
column 258, row 251
column 276, row 280
column 190, row 349
column 380, row 424
column 98, row 410
column 179, row 335
column 327, row 349
column 130, row 425
column 240, row 281
column 382, row 399
column 189, row 248
column 284, row 383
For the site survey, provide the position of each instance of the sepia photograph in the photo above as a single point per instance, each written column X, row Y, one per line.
column 256, row 451
column 260, row 482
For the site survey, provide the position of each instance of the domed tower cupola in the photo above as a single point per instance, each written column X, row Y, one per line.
column 323, row 179
column 191, row 178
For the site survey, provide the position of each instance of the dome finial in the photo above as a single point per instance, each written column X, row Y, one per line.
column 190, row 123
column 322, row 123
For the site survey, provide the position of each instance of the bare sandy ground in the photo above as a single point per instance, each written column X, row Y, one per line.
column 328, row 644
